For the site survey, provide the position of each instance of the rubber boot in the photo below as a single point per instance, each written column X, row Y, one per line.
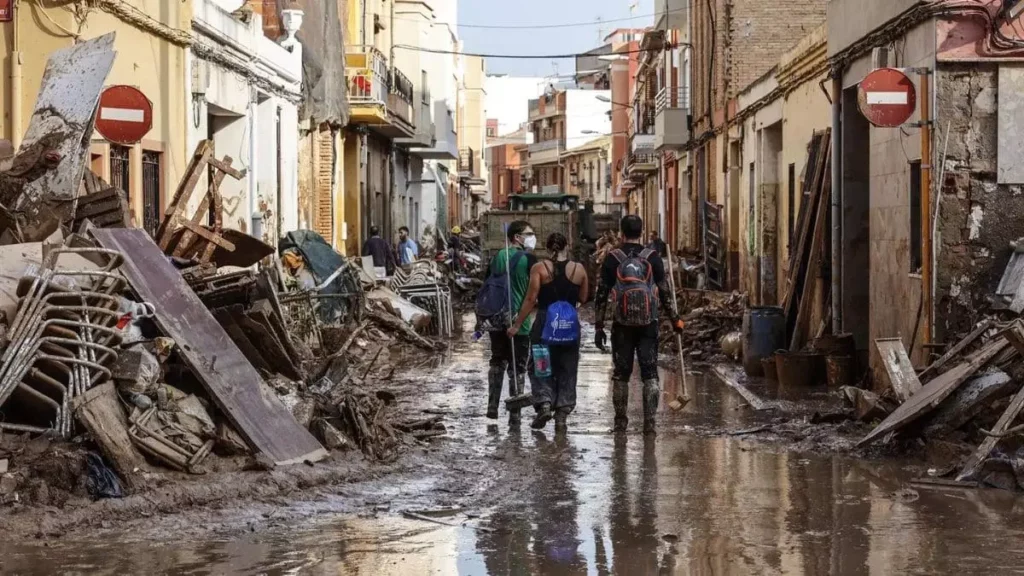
column 516, row 388
column 652, row 392
column 620, row 400
column 543, row 416
column 494, row 380
column 561, row 421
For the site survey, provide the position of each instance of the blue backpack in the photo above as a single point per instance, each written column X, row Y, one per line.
column 493, row 308
column 561, row 325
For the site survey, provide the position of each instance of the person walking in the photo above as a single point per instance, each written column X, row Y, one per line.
column 408, row 251
column 455, row 247
column 633, row 278
column 658, row 245
column 380, row 250
column 557, row 287
column 510, row 352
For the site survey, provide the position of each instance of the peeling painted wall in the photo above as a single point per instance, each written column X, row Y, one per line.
column 979, row 217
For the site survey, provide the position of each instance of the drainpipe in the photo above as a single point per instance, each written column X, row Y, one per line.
column 837, row 212
column 254, row 171
column 926, row 205
column 17, row 128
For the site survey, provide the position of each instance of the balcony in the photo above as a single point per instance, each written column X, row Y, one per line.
column 546, row 152
column 639, row 166
column 547, row 106
column 380, row 96
column 671, row 122
column 643, row 143
column 401, row 97
column 423, row 136
column 444, row 145
column 470, row 166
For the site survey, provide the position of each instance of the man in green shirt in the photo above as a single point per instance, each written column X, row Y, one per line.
column 521, row 242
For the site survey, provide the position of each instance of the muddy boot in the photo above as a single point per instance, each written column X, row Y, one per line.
column 543, row 416
column 652, row 392
column 561, row 421
column 620, row 400
column 494, row 380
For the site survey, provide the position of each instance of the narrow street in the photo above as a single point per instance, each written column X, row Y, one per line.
column 491, row 501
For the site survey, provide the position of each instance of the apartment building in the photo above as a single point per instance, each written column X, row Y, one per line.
column 561, row 119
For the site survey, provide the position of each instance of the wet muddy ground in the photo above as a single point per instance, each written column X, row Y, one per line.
column 705, row 497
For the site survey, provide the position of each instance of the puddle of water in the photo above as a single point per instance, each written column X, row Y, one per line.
column 592, row 503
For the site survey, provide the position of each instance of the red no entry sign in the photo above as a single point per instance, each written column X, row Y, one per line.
column 887, row 98
column 125, row 115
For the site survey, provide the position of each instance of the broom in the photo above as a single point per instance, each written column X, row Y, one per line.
column 526, row 399
column 683, row 397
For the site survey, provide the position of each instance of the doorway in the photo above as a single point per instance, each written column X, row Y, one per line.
column 854, row 156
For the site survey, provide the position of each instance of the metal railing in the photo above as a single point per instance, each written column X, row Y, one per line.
column 402, row 87
column 546, row 145
column 367, row 75
column 642, row 159
column 467, row 160
column 678, row 97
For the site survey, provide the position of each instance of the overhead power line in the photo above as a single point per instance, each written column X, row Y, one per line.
column 566, row 25
column 530, row 56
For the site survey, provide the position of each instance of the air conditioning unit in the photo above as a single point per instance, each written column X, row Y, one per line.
column 880, row 58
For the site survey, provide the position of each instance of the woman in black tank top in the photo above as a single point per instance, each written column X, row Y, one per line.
column 556, row 280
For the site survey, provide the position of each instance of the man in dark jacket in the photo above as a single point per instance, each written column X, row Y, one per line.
column 632, row 341
column 383, row 256
column 658, row 245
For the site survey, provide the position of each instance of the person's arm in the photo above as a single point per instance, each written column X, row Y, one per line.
column 529, row 301
column 415, row 249
column 584, row 285
column 604, row 287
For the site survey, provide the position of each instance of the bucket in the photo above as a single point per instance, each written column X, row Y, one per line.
column 835, row 345
column 800, row 369
column 839, row 370
column 771, row 371
column 764, row 332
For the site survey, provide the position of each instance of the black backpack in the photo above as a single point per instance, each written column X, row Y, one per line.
column 493, row 307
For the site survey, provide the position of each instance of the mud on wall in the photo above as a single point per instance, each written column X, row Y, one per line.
column 979, row 217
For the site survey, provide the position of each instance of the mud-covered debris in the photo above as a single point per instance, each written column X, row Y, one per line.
column 136, row 370
column 710, row 318
column 331, row 437
column 867, row 406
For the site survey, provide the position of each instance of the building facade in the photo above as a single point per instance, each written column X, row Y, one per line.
column 559, row 120
column 588, row 173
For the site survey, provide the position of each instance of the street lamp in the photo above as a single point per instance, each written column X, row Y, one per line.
column 603, row 98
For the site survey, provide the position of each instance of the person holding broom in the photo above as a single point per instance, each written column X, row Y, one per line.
column 633, row 279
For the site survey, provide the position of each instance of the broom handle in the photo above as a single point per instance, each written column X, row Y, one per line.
column 679, row 337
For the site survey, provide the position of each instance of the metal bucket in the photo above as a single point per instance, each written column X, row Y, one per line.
column 771, row 371
column 764, row 332
column 800, row 369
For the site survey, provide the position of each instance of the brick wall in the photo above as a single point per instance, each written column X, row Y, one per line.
column 761, row 32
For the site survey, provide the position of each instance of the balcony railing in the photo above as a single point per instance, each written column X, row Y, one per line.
column 673, row 98
column 467, row 162
column 546, row 145
column 367, row 75
column 402, row 87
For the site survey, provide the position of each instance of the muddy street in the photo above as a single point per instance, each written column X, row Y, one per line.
column 490, row 500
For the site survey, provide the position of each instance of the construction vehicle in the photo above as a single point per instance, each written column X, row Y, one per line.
column 546, row 213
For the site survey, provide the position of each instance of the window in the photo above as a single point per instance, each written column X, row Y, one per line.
column 915, row 217
column 120, row 167
column 151, row 183
column 792, row 199
column 424, row 87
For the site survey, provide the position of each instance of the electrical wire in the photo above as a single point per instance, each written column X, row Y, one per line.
column 533, row 56
column 550, row 26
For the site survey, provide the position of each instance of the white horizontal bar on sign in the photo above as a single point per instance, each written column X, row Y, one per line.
column 122, row 115
column 896, row 98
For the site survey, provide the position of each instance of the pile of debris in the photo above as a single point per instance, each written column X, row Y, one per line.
column 971, row 397
column 192, row 350
column 713, row 321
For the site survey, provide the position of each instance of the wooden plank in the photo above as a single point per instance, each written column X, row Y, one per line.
column 99, row 410
column 179, row 202
column 257, row 328
column 802, row 326
column 797, row 263
column 216, row 361
column 240, row 339
column 956, row 350
column 902, row 378
column 275, row 321
column 932, row 394
column 733, row 377
column 974, row 463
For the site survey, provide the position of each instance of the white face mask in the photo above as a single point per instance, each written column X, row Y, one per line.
column 530, row 242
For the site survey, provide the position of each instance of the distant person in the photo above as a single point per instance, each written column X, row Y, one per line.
column 380, row 250
column 658, row 245
column 408, row 251
column 605, row 244
column 455, row 246
column 634, row 278
column 498, row 303
column 557, row 287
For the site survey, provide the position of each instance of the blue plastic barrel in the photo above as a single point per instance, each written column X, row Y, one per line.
column 764, row 332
